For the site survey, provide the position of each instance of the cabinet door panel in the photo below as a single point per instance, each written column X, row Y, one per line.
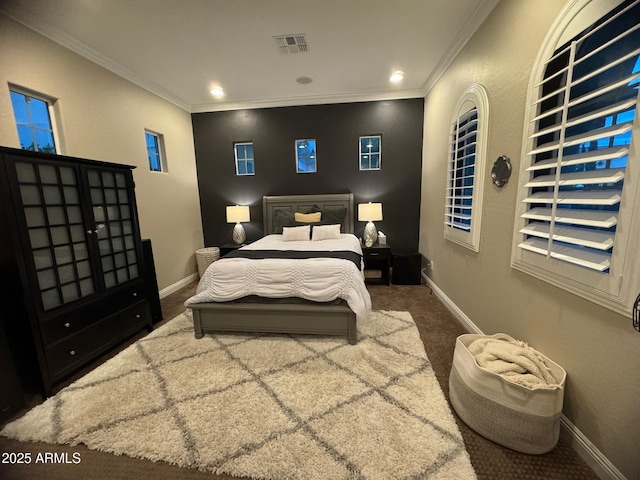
column 112, row 212
column 51, row 209
column 34, row 216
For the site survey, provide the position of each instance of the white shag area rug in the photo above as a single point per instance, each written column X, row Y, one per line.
column 265, row 406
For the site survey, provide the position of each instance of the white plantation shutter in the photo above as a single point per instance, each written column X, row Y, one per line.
column 467, row 144
column 578, row 162
column 462, row 148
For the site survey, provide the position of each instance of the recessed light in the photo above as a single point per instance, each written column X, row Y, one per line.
column 217, row 92
column 397, row 76
column 304, row 80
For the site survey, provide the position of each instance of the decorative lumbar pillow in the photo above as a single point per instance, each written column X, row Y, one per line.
column 325, row 232
column 307, row 217
column 292, row 234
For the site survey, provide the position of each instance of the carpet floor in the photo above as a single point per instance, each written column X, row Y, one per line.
column 438, row 330
column 265, row 406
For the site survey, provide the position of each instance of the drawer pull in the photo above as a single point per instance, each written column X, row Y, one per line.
column 72, row 352
column 135, row 294
column 374, row 254
column 138, row 315
column 67, row 325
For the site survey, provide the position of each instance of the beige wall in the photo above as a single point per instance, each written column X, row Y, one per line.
column 599, row 349
column 102, row 116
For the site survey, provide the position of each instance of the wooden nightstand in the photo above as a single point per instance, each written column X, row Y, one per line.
column 377, row 262
column 229, row 247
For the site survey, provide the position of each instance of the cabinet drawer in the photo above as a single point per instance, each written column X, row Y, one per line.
column 82, row 314
column 134, row 318
column 62, row 326
column 59, row 328
column 377, row 261
column 77, row 349
column 375, row 254
column 127, row 296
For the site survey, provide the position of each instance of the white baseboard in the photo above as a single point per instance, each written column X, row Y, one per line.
column 600, row 464
column 589, row 453
column 453, row 308
column 178, row 285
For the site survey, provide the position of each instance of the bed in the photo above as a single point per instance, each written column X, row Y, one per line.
column 314, row 293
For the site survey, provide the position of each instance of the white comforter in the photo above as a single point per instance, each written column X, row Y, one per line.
column 317, row 279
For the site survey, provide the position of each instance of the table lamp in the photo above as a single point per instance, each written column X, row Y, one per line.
column 237, row 214
column 370, row 212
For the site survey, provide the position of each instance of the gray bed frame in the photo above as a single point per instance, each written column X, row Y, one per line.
column 291, row 315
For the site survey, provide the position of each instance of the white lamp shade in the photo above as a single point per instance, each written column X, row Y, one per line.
column 237, row 213
column 369, row 212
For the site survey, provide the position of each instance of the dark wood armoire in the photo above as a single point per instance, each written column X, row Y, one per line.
column 71, row 263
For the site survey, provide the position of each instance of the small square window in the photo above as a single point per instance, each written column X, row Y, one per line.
column 370, row 152
column 306, row 156
column 35, row 129
column 244, row 159
column 155, row 151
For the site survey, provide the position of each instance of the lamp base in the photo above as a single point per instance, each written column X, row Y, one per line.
column 370, row 234
column 238, row 234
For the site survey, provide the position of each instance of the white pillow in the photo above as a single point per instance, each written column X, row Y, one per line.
column 291, row 234
column 325, row 232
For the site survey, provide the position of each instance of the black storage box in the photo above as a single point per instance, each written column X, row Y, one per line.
column 151, row 281
column 407, row 267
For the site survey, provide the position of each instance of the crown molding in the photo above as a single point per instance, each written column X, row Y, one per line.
column 92, row 55
column 21, row 16
column 479, row 16
column 310, row 100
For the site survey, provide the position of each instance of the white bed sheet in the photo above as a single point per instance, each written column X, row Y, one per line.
column 316, row 279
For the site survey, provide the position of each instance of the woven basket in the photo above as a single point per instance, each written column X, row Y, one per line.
column 205, row 257
column 520, row 418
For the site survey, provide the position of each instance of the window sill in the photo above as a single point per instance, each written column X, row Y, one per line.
column 610, row 302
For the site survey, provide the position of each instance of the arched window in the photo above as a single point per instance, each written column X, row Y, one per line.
column 465, row 172
column 579, row 170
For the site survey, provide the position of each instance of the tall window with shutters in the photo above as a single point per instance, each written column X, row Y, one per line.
column 465, row 172
column 575, row 225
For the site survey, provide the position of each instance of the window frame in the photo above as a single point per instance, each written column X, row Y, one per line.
column 378, row 152
column 315, row 155
column 162, row 158
column 615, row 289
column 51, row 112
column 474, row 97
column 247, row 160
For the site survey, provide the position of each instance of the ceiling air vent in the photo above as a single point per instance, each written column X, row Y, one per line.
column 294, row 43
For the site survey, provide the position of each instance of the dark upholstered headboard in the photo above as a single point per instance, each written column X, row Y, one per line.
column 303, row 203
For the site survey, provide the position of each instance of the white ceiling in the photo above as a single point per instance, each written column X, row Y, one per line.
column 180, row 49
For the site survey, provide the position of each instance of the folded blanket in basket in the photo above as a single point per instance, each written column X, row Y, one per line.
column 516, row 361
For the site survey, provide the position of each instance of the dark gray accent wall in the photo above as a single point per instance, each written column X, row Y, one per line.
column 336, row 129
